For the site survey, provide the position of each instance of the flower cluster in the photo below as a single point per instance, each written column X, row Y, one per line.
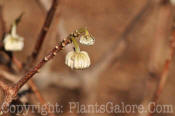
column 78, row 59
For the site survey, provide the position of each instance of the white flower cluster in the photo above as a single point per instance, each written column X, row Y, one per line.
column 80, row 59
column 12, row 41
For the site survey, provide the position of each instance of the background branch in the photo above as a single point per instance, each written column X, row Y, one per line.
column 45, row 29
column 164, row 74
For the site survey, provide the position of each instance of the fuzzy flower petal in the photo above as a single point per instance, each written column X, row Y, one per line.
column 77, row 60
column 87, row 40
column 13, row 42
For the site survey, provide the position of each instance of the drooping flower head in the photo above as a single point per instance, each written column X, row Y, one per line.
column 12, row 41
column 78, row 60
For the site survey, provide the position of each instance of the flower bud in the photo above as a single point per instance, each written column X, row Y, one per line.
column 87, row 40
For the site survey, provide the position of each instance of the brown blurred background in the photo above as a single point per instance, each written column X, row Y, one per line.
column 127, row 60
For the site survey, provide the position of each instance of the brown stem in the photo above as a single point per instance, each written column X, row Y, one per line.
column 45, row 28
column 17, row 62
column 41, row 6
column 2, row 19
column 39, row 43
column 13, row 90
column 2, row 22
column 30, row 74
column 164, row 73
column 37, row 93
column 3, row 85
column 39, row 96
column 42, row 35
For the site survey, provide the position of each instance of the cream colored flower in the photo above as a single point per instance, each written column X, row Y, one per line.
column 78, row 60
column 87, row 39
column 12, row 41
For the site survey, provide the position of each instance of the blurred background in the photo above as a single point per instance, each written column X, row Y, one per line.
column 132, row 39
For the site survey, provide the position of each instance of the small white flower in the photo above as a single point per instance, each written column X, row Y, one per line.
column 12, row 41
column 87, row 39
column 78, row 60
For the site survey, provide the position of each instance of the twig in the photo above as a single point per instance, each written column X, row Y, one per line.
column 42, row 36
column 45, row 29
column 47, row 24
column 16, row 87
column 8, row 76
column 164, row 74
column 2, row 22
column 37, row 93
column 13, row 90
column 165, row 18
column 17, row 62
column 13, row 78
column 51, row 54
column 89, row 82
column 41, row 6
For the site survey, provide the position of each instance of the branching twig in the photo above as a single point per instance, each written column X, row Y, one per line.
column 164, row 74
column 45, row 29
column 165, row 18
column 105, row 61
column 51, row 54
column 13, row 90
column 42, row 36
column 47, row 24
column 16, row 87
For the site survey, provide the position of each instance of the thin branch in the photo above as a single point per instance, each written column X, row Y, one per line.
column 51, row 54
column 39, row 96
column 17, row 62
column 2, row 23
column 13, row 90
column 8, row 76
column 89, row 82
column 37, row 93
column 48, row 21
column 3, row 85
column 2, row 20
column 16, row 87
column 164, row 74
column 45, row 29
column 41, row 6
column 42, row 36
column 33, row 86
